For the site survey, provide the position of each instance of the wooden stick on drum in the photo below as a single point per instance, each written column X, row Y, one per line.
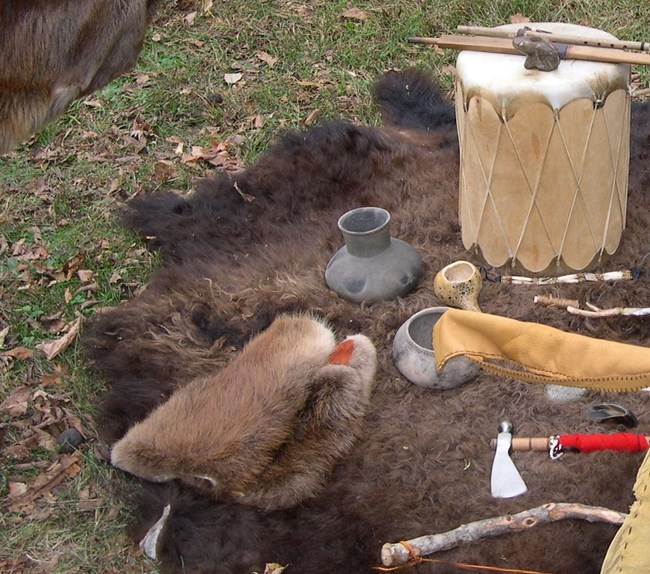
column 562, row 38
column 504, row 46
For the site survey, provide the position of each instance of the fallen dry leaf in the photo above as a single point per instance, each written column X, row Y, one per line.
column 58, row 372
column 18, row 451
column 355, row 14
column 92, row 103
column 231, row 79
column 20, row 353
column 137, row 143
column 53, row 348
column 116, row 183
column 518, row 18
column 24, row 252
column 16, row 404
column 88, row 505
column 189, row 18
column 266, row 58
column 71, row 266
column 216, row 155
column 163, row 171
column 51, row 323
column 85, row 275
column 45, row 440
column 311, row 118
column 66, row 465
column 39, row 514
column 141, row 79
column 114, row 278
column 16, row 490
column 308, row 84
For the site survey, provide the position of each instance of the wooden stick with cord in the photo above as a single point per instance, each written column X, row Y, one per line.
column 562, row 38
column 504, row 46
column 398, row 553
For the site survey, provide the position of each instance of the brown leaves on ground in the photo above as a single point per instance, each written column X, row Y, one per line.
column 219, row 154
column 33, row 265
column 23, row 496
column 30, row 266
column 52, row 348
column 36, row 414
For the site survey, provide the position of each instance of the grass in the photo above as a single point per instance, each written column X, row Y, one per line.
column 61, row 193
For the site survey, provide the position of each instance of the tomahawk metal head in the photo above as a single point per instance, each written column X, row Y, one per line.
column 506, row 482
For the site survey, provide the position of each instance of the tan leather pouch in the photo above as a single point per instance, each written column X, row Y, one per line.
column 539, row 353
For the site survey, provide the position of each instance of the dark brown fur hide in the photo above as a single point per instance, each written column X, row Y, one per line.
column 423, row 464
column 52, row 52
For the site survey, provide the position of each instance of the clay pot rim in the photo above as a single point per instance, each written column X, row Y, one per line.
column 352, row 212
column 439, row 310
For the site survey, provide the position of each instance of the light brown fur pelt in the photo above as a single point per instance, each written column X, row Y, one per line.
column 54, row 52
column 268, row 428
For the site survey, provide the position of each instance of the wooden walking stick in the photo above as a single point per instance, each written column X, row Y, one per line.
column 394, row 554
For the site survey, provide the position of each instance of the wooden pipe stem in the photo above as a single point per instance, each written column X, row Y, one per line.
column 562, row 38
column 531, row 443
column 526, row 443
column 504, row 46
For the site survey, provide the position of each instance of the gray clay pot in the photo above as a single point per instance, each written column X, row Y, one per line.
column 414, row 356
column 371, row 266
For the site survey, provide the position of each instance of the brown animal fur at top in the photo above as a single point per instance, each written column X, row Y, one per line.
column 269, row 427
column 52, row 53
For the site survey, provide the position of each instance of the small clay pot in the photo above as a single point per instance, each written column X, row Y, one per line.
column 414, row 356
column 372, row 265
column 458, row 285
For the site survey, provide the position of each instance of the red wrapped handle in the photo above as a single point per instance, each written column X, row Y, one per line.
column 623, row 441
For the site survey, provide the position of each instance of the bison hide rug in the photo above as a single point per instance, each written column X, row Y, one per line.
column 241, row 250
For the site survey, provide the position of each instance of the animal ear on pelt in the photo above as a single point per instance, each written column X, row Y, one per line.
column 341, row 353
